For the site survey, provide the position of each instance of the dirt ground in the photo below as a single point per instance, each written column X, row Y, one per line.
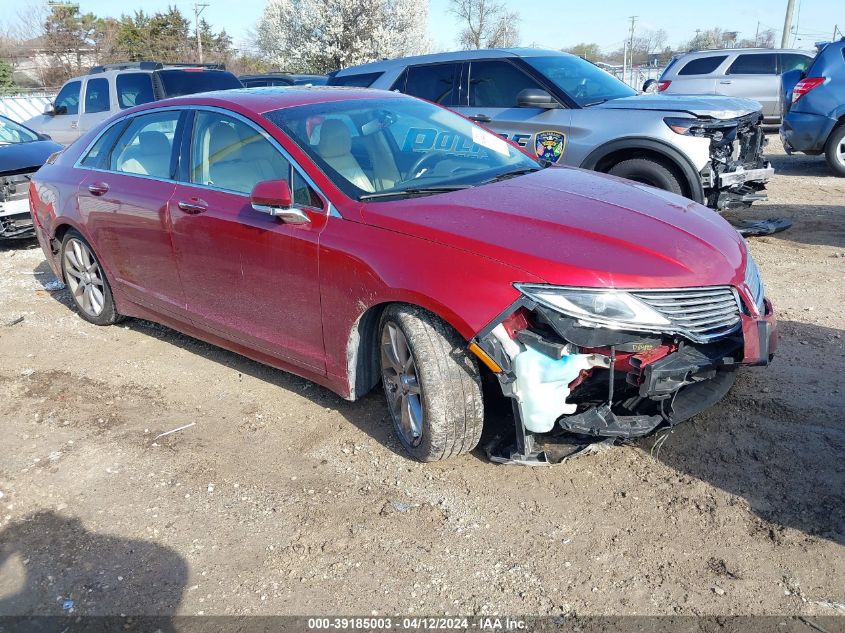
column 282, row 498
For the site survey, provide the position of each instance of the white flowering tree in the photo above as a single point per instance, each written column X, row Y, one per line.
column 318, row 36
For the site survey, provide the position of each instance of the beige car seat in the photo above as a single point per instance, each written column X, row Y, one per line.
column 150, row 156
column 335, row 147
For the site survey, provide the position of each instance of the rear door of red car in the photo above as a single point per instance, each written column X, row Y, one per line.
column 129, row 179
column 248, row 277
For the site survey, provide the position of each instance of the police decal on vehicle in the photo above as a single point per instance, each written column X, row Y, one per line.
column 549, row 146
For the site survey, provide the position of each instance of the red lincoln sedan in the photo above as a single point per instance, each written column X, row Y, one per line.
column 356, row 237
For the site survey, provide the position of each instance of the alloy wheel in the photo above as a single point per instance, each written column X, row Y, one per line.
column 401, row 383
column 84, row 278
column 840, row 152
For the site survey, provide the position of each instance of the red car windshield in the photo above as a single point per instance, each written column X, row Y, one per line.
column 383, row 148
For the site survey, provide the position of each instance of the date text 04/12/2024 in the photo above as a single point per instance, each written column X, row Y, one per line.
column 479, row 623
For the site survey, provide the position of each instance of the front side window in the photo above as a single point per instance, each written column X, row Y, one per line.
column 762, row 64
column 496, row 84
column 67, row 101
column 585, row 83
column 134, row 89
column 702, row 65
column 382, row 148
column 146, row 146
column 432, row 82
column 97, row 96
column 12, row 133
column 229, row 154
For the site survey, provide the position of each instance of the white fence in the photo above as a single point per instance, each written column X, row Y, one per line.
column 22, row 108
column 636, row 77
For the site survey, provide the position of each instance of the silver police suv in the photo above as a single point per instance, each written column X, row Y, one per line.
column 566, row 110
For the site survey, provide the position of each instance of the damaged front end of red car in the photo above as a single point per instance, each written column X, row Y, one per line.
column 581, row 364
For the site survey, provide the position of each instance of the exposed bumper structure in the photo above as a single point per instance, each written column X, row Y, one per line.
column 625, row 384
column 15, row 219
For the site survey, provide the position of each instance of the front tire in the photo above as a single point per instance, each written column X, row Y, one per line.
column 85, row 279
column 835, row 151
column 432, row 384
column 648, row 172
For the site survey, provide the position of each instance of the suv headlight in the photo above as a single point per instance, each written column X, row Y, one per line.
column 715, row 130
column 609, row 308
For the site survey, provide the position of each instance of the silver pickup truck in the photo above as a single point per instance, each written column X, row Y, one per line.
column 566, row 110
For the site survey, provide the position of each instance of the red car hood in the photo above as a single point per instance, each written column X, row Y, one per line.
column 573, row 227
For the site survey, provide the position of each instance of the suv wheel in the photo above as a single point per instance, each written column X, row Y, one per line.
column 835, row 151
column 649, row 172
column 431, row 383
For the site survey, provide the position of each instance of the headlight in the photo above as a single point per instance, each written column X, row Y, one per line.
column 715, row 130
column 755, row 283
column 609, row 308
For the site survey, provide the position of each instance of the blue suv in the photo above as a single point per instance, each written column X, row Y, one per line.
column 814, row 102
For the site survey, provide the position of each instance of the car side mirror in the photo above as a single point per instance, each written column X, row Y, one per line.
column 50, row 110
column 273, row 197
column 536, row 98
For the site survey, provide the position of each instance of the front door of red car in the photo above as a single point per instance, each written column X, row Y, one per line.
column 124, row 199
column 248, row 277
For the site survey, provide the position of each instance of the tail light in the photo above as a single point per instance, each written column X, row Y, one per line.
column 804, row 86
column 662, row 85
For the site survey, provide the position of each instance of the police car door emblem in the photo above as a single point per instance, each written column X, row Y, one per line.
column 549, row 145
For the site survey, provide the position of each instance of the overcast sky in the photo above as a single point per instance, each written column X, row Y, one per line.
column 550, row 23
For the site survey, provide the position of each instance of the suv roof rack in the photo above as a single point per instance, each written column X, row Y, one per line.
column 148, row 65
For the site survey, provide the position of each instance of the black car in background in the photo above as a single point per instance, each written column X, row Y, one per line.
column 22, row 152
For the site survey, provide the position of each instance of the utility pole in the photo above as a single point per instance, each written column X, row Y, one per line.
column 787, row 23
column 757, row 35
column 199, row 7
column 633, row 19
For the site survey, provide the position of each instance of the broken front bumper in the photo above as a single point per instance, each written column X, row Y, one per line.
column 15, row 220
column 741, row 176
column 618, row 384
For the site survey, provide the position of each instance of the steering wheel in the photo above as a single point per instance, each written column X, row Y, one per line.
column 415, row 171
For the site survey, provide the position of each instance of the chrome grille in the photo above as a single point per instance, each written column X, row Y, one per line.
column 701, row 314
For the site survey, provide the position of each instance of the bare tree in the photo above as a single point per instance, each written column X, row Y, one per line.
column 486, row 24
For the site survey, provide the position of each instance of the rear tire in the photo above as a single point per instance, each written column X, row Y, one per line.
column 85, row 278
column 835, row 151
column 431, row 383
column 648, row 172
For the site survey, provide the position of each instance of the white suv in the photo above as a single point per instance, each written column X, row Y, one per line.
column 85, row 101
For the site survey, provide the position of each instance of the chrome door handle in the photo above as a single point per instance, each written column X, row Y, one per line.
column 725, row 81
column 480, row 118
column 98, row 188
column 193, row 206
column 74, row 124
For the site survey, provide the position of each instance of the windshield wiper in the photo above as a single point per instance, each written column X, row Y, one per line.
column 592, row 103
column 415, row 191
column 514, row 173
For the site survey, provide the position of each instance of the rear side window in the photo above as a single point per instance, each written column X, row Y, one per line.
column 702, row 65
column 187, row 81
column 134, row 89
column 67, row 101
column 432, row 82
column 146, row 146
column 496, row 84
column 359, row 81
column 97, row 96
column 762, row 64
column 792, row 61
column 97, row 156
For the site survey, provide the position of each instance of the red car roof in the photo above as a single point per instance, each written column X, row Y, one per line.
column 261, row 100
